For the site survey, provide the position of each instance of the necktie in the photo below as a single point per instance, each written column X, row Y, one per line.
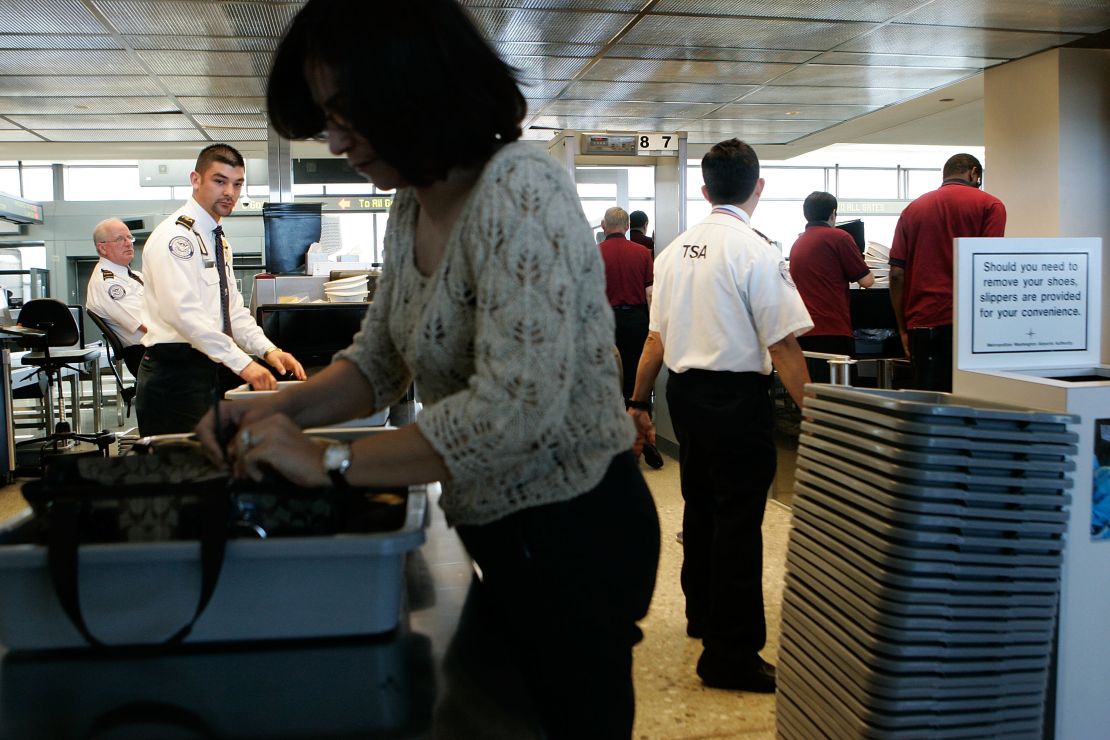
column 134, row 276
column 221, row 267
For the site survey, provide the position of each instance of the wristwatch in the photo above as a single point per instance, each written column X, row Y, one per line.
column 337, row 461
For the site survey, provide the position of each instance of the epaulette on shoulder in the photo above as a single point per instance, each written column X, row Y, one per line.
column 763, row 236
column 106, row 274
column 185, row 221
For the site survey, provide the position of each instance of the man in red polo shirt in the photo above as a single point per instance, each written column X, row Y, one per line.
column 824, row 261
column 921, row 265
column 628, row 279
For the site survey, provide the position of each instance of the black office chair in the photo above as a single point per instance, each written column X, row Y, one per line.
column 59, row 330
column 116, row 355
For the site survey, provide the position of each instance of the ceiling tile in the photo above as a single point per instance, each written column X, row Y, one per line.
column 104, row 105
column 636, row 70
column 1073, row 16
column 221, row 64
column 122, row 135
column 831, row 112
column 662, row 91
column 48, row 16
column 547, row 68
column 177, row 18
column 615, row 5
column 201, row 86
column 17, row 135
column 69, row 61
column 223, row 105
column 973, row 42
column 512, row 24
column 708, row 54
column 539, row 48
column 839, row 95
column 6, row 124
column 618, row 108
column 56, row 41
column 749, row 33
column 232, row 121
column 86, row 122
column 78, row 85
column 602, row 123
column 843, row 75
column 542, row 88
column 237, row 134
column 202, row 43
column 904, row 60
column 874, row 10
column 740, row 129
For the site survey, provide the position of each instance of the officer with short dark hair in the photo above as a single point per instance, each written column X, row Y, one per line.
column 199, row 332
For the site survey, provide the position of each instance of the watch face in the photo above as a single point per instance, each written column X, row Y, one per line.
column 337, row 457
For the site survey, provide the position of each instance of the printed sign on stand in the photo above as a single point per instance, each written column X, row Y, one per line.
column 1029, row 302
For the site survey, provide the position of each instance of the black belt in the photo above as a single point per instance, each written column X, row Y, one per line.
column 932, row 331
column 629, row 306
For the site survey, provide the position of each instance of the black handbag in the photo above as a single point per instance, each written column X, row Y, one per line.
column 174, row 493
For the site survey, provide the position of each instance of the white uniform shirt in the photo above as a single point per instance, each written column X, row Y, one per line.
column 182, row 300
column 116, row 297
column 722, row 296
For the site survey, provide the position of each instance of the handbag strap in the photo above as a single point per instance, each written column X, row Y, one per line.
column 62, row 558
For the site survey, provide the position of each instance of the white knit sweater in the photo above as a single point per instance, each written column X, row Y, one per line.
column 510, row 342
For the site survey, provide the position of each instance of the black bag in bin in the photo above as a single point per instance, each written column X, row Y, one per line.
column 175, row 493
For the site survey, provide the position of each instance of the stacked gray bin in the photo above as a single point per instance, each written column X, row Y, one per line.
column 923, row 568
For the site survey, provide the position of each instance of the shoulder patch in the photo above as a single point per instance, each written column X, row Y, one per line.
column 784, row 271
column 116, row 292
column 181, row 248
column 106, row 274
column 185, row 221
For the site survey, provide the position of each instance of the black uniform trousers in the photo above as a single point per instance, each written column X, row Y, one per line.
column 631, row 333
column 931, row 355
column 177, row 385
column 834, row 345
column 726, row 456
column 564, row 585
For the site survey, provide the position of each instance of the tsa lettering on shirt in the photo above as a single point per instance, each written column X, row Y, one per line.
column 695, row 251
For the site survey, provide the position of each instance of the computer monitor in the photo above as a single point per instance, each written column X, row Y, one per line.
column 855, row 230
column 312, row 332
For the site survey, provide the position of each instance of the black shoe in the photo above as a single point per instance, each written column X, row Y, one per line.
column 755, row 675
column 652, row 457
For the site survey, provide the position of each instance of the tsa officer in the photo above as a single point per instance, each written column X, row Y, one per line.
column 115, row 291
column 200, row 336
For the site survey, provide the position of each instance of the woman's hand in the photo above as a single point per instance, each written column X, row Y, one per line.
column 275, row 443
column 234, row 415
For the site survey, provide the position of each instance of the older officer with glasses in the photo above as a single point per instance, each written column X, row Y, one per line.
column 115, row 291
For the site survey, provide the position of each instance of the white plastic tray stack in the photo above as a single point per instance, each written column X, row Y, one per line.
column 923, row 568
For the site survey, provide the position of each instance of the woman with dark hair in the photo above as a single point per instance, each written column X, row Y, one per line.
column 492, row 300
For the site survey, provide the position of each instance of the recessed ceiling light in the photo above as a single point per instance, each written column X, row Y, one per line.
column 791, row 112
column 81, row 106
column 947, row 100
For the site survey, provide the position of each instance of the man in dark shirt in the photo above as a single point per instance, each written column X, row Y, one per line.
column 823, row 262
column 921, row 265
column 638, row 223
column 628, row 279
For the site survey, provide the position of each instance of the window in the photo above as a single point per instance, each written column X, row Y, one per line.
column 111, row 183
column 38, row 183
column 9, row 181
column 784, row 182
column 867, row 183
